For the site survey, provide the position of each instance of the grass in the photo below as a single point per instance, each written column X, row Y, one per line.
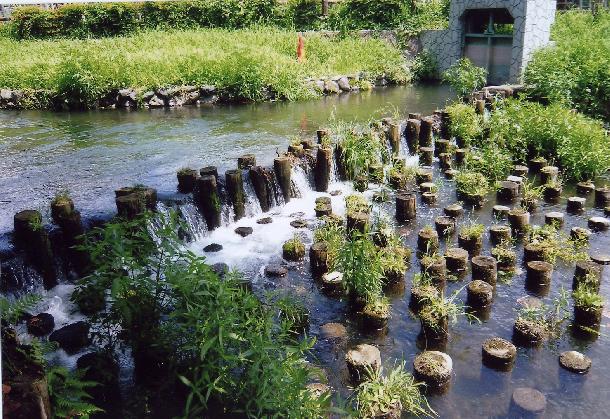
column 396, row 390
column 558, row 245
column 585, row 296
column 243, row 63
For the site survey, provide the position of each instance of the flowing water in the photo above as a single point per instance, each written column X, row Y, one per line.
column 93, row 153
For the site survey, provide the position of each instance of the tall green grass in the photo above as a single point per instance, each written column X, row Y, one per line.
column 576, row 70
column 243, row 63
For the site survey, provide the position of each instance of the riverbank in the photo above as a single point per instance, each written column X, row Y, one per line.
column 164, row 68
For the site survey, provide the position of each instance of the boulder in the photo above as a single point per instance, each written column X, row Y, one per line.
column 72, row 337
column 41, row 324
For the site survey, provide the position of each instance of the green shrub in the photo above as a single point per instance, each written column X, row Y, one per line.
column 575, row 71
column 465, row 77
column 471, row 183
column 368, row 14
column 303, row 14
column 464, row 123
column 578, row 144
column 112, row 19
column 424, row 67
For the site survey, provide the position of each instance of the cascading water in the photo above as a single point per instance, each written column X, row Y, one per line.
column 253, row 207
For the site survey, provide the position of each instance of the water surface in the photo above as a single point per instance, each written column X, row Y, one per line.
column 92, row 153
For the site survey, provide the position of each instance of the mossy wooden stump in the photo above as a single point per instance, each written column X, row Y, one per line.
column 361, row 361
column 508, row 191
column 293, row 250
column 549, row 174
column 247, row 161
column 480, row 294
column 528, row 332
column 357, row 222
column 323, row 168
column 235, row 192
column 445, row 226
column 434, row 368
column 485, row 268
column 282, row 167
column 406, row 207
column 412, row 134
column 261, row 180
column 426, row 156
column 425, row 131
column 499, row 234
column 457, row 259
column 318, row 258
column 519, row 220
column 499, row 354
column 30, row 235
column 61, row 207
column 589, row 273
column 454, row 210
column 208, row 200
column 427, row 241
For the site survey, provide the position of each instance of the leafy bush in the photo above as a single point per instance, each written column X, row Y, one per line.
column 575, row 71
column 464, row 123
column 360, row 264
column 239, row 357
column 580, row 145
column 368, row 14
column 243, row 63
column 424, row 67
column 112, row 19
column 465, row 77
column 471, row 183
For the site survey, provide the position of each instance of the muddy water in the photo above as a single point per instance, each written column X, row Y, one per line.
column 92, row 153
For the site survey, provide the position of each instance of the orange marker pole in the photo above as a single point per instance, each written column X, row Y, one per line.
column 301, row 49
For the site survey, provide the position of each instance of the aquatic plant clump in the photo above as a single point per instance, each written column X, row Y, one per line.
column 390, row 394
column 241, row 64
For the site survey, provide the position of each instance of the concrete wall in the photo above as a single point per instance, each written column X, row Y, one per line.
column 532, row 24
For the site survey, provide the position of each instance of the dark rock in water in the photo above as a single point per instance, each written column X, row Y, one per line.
column 214, row 247
column 220, row 269
column 264, row 220
column 333, row 331
column 297, row 214
column 244, row 231
column 275, row 271
column 41, row 324
column 298, row 223
column 72, row 337
column 335, row 193
column 102, row 369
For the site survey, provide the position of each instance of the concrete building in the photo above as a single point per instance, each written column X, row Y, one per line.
column 499, row 35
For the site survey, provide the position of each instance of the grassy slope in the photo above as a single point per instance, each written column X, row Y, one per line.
column 241, row 61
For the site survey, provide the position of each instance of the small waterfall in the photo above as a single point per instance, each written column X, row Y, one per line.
column 253, row 207
column 300, row 181
column 276, row 196
column 194, row 220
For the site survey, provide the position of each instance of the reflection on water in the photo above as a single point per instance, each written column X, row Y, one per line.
column 92, row 153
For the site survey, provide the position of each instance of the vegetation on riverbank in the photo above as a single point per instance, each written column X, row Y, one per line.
column 113, row 19
column 518, row 130
column 575, row 71
column 243, row 63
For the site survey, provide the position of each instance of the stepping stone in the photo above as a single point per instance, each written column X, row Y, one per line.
column 244, row 231
column 298, row 223
column 527, row 403
column 211, row 248
column 333, row 331
column 275, row 271
column 264, row 220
